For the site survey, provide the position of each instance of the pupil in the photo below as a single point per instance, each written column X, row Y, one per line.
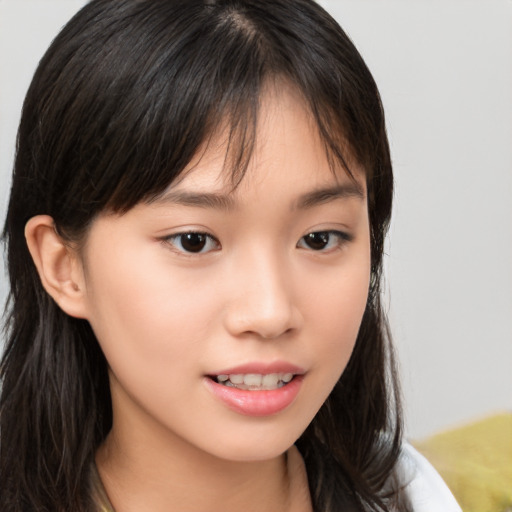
column 193, row 242
column 318, row 240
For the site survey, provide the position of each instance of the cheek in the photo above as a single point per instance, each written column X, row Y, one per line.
column 157, row 316
column 152, row 329
column 339, row 294
column 340, row 319
column 335, row 308
column 334, row 315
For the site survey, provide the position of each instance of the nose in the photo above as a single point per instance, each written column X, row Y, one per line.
column 263, row 301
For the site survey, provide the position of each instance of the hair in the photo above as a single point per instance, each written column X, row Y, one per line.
column 126, row 95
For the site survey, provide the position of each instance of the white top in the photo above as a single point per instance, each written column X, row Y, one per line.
column 426, row 490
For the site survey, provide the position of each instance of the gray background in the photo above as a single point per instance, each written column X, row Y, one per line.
column 444, row 69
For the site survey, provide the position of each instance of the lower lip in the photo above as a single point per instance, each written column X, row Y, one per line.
column 256, row 403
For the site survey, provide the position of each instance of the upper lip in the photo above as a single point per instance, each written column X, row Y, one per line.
column 262, row 369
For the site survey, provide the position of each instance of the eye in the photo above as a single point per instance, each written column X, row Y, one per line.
column 192, row 242
column 324, row 240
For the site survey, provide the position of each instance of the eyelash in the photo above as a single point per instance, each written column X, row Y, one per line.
column 207, row 240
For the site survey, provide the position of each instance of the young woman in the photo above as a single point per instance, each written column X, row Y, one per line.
column 195, row 233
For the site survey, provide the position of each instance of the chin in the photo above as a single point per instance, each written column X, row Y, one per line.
column 256, row 444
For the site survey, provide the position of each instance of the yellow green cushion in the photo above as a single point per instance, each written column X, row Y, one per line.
column 476, row 463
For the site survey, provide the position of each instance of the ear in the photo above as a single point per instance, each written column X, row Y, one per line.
column 58, row 265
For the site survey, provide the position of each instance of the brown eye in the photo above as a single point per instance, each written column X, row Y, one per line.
column 317, row 241
column 324, row 240
column 193, row 242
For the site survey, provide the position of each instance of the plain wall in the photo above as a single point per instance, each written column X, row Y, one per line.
column 444, row 69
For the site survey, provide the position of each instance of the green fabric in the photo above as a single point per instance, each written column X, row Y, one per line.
column 476, row 463
column 99, row 495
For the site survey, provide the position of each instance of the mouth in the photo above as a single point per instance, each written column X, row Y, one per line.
column 254, row 381
column 257, row 389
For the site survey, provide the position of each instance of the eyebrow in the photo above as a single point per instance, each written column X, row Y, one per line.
column 326, row 195
column 198, row 199
column 227, row 203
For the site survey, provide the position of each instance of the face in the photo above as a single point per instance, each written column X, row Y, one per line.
column 227, row 316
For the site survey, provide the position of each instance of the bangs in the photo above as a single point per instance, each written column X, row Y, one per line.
column 137, row 95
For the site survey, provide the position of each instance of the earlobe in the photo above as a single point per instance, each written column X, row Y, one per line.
column 58, row 265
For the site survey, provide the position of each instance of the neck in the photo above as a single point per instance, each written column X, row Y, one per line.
column 140, row 472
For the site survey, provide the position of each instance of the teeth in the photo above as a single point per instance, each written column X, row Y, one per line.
column 270, row 380
column 255, row 381
column 252, row 379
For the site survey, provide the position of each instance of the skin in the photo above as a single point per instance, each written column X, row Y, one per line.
column 166, row 318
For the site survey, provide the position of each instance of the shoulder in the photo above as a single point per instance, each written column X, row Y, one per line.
column 423, row 486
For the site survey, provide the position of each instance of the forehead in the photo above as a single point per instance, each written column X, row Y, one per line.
column 287, row 144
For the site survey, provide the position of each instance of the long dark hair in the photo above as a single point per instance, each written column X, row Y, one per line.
column 123, row 99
